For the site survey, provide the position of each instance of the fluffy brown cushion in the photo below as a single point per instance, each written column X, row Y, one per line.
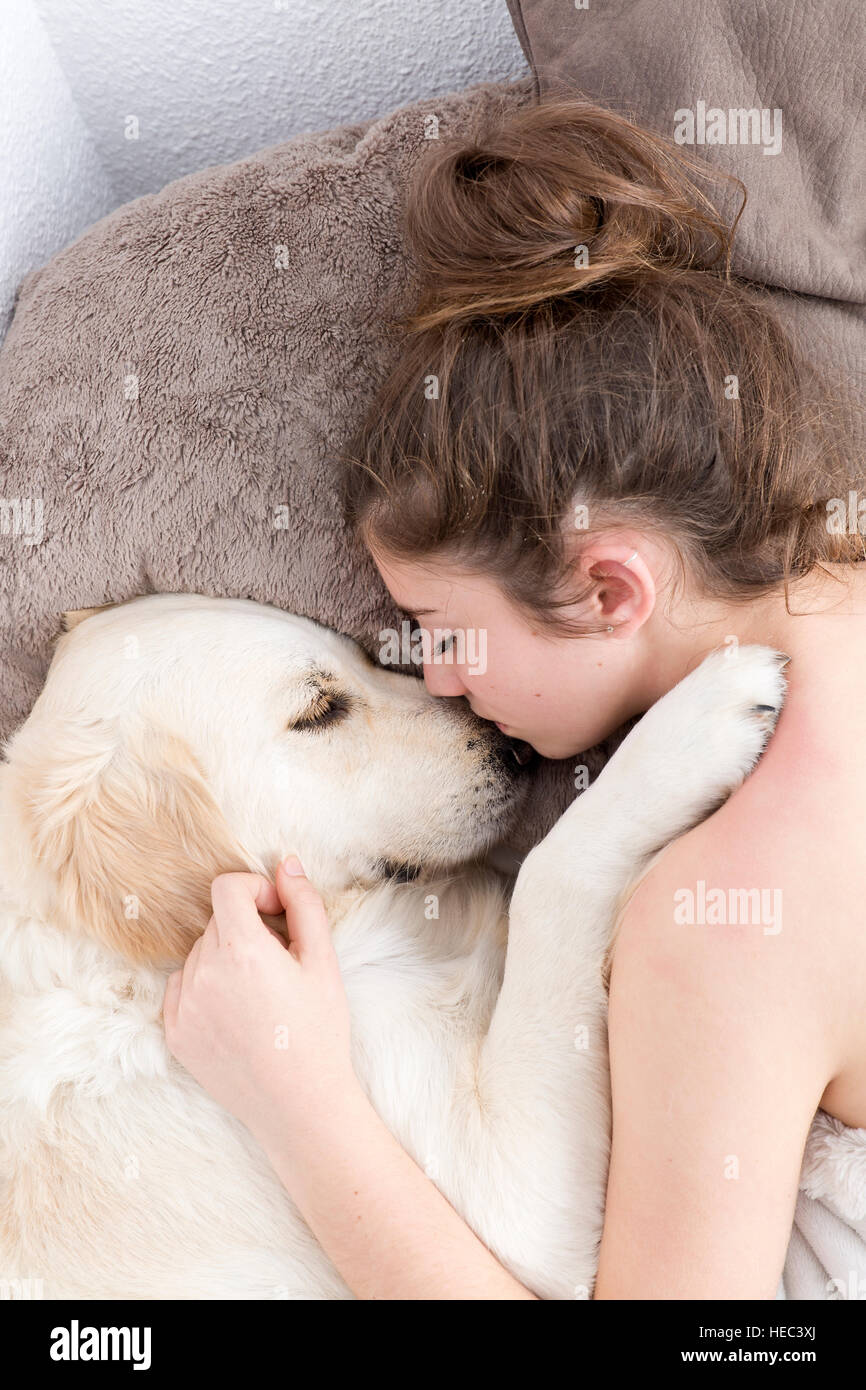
column 217, row 476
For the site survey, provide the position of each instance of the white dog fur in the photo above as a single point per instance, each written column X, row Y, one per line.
column 166, row 748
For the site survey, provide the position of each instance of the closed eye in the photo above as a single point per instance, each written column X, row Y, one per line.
column 328, row 708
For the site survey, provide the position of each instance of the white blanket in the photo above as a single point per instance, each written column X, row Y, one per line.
column 826, row 1256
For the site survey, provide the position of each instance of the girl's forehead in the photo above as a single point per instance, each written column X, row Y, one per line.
column 419, row 586
column 411, row 579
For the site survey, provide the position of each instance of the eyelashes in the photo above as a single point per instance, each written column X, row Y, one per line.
column 441, row 647
column 328, row 708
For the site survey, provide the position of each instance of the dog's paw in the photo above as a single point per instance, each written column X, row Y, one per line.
column 701, row 739
column 677, row 765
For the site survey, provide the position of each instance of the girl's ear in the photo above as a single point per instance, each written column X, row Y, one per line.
column 128, row 834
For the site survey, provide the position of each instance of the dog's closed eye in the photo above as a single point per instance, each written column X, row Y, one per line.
column 327, row 709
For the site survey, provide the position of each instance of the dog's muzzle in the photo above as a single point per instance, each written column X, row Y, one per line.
column 522, row 752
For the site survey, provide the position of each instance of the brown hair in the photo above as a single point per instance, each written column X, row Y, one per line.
column 579, row 339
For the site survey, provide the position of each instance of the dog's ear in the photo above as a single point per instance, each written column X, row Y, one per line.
column 74, row 616
column 129, row 835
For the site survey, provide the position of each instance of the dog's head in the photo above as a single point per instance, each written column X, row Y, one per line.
column 178, row 737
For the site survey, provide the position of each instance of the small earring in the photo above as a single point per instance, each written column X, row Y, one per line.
column 610, row 627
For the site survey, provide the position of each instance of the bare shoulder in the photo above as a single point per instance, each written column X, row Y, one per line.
column 755, row 905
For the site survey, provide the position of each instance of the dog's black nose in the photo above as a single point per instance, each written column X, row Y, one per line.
column 522, row 752
column 515, row 752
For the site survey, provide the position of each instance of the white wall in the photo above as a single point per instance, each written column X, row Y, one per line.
column 208, row 81
column 52, row 184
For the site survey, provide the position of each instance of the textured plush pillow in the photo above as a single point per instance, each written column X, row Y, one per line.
column 683, row 69
column 175, row 384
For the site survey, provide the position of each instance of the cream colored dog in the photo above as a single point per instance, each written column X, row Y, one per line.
column 178, row 737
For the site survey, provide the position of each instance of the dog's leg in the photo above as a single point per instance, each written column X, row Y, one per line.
column 541, row 1088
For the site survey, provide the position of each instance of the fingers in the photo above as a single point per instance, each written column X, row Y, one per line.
column 172, row 997
column 206, row 940
column 237, row 900
column 307, row 922
column 184, row 976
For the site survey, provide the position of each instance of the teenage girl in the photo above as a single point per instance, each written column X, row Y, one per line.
column 605, row 452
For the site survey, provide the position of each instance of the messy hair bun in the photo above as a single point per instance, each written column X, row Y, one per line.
column 543, row 206
column 578, row 338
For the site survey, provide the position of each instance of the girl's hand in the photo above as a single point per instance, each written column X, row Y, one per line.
column 264, row 1028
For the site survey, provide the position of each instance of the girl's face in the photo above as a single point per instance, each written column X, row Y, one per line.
column 562, row 695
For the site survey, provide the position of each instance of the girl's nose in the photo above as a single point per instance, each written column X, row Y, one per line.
column 442, row 679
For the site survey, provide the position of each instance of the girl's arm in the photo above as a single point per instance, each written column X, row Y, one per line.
column 265, row 1030
column 386, row 1227
column 721, row 1046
